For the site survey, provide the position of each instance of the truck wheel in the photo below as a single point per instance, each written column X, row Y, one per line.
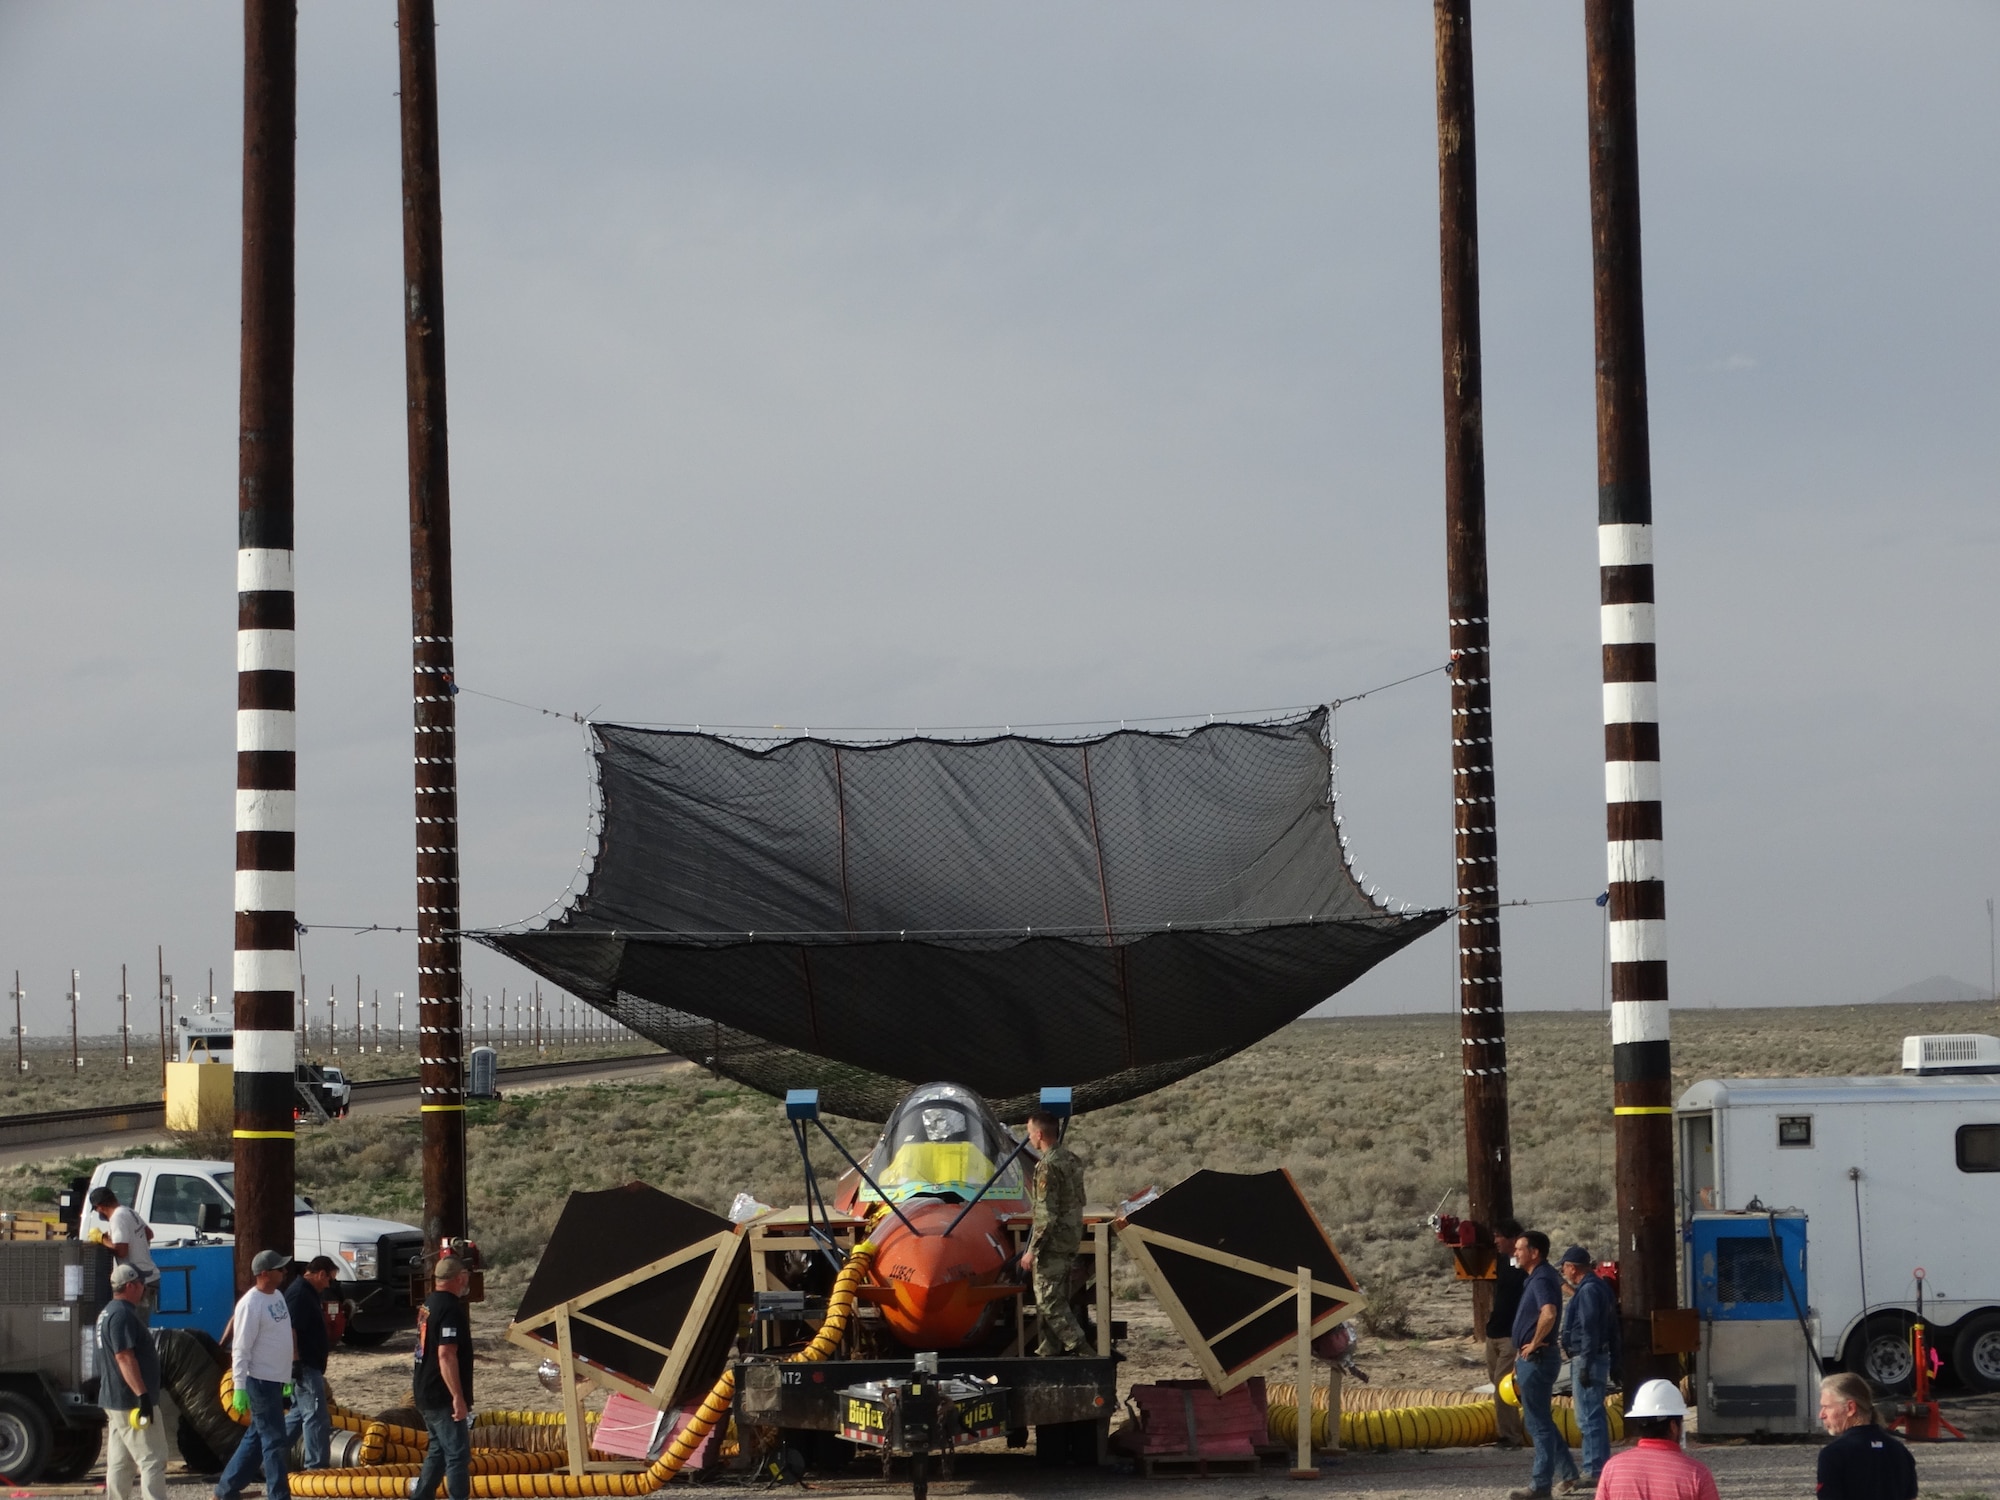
column 72, row 1452
column 1879, row 1352
column 24, row 1439
column 1975, row 1355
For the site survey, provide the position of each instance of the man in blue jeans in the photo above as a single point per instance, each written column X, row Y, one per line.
column 260, row 1362
column 442, row 1383
column 1536, row 1365
column 310, row 1421
column 1591, row 1339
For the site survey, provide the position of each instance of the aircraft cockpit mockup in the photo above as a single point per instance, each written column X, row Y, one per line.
column 944, row 1141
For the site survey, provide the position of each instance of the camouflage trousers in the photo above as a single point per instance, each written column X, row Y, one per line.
column 1061, row 1333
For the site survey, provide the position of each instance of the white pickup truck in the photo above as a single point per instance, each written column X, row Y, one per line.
column 377, row 1259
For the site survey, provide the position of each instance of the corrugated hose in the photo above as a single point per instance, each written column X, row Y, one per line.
column 1451, row 1420
column 527, row 1482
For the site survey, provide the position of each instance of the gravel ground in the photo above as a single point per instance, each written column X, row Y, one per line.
column 1776, row 1471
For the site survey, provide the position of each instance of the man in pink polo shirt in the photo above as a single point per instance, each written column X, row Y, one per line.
column 1655, row 1468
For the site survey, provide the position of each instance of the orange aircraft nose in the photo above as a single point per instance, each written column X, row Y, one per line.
column 937, row 1290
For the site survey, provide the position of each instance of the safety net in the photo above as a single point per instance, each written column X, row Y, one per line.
column 1107, row 913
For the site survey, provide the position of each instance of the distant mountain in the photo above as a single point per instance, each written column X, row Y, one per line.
column 1939, row 989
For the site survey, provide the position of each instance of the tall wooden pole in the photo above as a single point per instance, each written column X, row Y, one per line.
column 266, row 961
column 440, row 1016
column 1641, row 1063
column 1489, row 1158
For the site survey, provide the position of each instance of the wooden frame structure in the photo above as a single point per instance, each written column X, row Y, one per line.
column 552, row 1329
column 1299, row 1266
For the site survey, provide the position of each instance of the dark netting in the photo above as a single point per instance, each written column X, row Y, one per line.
column 1109, row 914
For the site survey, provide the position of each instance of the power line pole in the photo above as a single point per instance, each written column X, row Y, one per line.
column 266, row 960
column 1489, row 1164
column 20, row 1039
column 440, row 966
column 124, row 1020
column 1641, row 1059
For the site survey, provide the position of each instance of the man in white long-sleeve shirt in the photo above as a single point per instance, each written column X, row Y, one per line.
column 261, row 1352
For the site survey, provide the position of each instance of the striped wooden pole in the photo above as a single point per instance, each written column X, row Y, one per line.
column 440, row 966
column 1642, row 1073
column 266, row 963
column 1482, row 1018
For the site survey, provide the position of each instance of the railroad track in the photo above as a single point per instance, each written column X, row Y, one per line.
column 151, row 1117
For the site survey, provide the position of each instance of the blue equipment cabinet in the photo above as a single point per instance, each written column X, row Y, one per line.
column 1746, row 1277
column 197, row 1286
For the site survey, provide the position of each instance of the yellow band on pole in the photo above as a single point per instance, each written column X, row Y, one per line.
column 265, row 1135
column 1643, row 1109
column 425, row 1109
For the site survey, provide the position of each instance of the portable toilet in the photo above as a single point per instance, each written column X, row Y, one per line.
column 482, row 1070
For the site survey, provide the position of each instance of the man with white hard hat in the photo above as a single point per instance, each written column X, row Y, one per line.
column 1655, row 1468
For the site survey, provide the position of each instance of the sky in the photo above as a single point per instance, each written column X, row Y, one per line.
column 888, row 364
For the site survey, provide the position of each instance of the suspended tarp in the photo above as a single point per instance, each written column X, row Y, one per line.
column 1010, row 913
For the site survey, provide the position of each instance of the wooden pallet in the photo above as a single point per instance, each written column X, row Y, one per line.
column 1196, row 1465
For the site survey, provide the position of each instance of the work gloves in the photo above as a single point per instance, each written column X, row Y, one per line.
column 142, row 1414
column 239, row 1400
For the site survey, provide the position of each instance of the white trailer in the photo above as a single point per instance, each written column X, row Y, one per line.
column 1899, row 1180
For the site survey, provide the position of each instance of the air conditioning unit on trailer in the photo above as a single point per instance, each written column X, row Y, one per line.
column 1964, row 1052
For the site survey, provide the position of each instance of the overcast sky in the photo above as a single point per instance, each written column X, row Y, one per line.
column 873, row 364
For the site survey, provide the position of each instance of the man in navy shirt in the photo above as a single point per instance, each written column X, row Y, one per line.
column 310, row 1415
column 1536, row 1366
column 1591, row 1339
column 1862, row 1462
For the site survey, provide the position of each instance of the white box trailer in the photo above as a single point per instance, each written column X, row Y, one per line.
column 1898, row 1178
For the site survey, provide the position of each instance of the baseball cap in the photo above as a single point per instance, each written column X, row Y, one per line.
column 1576, row 1255
column 122, row 1276
column 449, row 1267
column 102, row 1195
column 269, row 1260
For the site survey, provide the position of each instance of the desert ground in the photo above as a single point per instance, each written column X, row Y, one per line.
column 50, row 1082
column 1363, row 1111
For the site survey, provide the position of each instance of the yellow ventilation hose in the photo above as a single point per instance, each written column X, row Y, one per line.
column 1466, row 1422
column 392, row 1481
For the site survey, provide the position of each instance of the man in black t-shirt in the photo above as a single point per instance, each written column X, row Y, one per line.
column 443, row 1382
column 1508, row 1279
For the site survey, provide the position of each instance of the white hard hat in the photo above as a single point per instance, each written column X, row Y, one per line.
column 1658, row 1398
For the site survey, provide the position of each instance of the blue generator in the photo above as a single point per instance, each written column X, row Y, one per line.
column 1746, row 1277
column 197, row 1286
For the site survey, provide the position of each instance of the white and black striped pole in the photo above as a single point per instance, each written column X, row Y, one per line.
column 266, row 963
column 1641, row 1060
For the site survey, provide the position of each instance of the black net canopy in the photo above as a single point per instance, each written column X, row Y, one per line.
column 1109, row 914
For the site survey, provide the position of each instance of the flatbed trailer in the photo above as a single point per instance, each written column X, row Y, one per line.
column 1038, row 1392
column 1067, row 1402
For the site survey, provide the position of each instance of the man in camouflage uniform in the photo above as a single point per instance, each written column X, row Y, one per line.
column 1056, row 1195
